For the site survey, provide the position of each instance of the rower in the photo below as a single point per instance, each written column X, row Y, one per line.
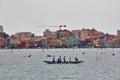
column 76, row 59
column 53, row 58
column 64, row 59
column 59, row 60
column 69, row 59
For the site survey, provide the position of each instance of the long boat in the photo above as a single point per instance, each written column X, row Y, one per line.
column 71, row 62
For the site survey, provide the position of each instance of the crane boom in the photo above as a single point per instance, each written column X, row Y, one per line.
column 61, row 26
column 54, row 26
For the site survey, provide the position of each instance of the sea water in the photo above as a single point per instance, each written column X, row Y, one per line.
column 99, row 64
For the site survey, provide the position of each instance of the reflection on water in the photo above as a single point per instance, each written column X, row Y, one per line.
column 96, row 66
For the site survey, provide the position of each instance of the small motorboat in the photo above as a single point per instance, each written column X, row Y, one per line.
column 71, row 62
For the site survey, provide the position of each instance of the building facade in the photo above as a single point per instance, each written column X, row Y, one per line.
column 63, row 34
column 1, row 29
column 21, row 35
column 47, row 33
column 118, row 32
column 76, row 33
column 3, row 35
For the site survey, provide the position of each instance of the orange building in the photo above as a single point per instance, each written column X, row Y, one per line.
column 2, row 42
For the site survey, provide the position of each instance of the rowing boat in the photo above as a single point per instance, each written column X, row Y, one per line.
column 71, row 62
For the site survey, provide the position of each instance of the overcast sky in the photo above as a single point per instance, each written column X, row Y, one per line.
column 27, row 15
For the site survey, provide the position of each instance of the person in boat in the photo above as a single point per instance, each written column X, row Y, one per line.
column 59, row 60
column 76, row 59
column 69, row 59
column 53, row 58
column 64, row 59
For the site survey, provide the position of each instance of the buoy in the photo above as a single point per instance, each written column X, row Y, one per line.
column 29, row 55
column 83, row 53
column 113, row 54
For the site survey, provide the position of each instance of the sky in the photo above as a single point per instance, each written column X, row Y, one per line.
column 38, row 15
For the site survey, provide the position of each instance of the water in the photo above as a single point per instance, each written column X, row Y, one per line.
column 99, row 64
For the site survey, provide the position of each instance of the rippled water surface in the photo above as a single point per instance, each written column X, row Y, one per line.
column 99, row 64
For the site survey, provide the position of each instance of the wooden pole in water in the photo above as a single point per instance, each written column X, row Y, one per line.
column 47, row 47
column 11, row 47
column 43, row 48
column 73, row 48
column 11, row 50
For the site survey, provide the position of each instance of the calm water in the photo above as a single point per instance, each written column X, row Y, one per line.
column 98, row 64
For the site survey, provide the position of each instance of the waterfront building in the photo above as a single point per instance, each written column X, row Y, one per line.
column 85, row 33
column 47, row 33
column 1, row 29
column 52, row 43
column 110, row 40
column 3, row 35
column 76, row 33
column 118, row 32
column 63, row 33
column 103, row 42
column 21, row 35
column 2, row 42
column 71, row 41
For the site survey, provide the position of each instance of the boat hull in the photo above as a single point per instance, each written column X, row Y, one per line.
column 71, row 62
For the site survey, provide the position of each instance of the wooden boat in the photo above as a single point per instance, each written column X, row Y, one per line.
column 71, row 62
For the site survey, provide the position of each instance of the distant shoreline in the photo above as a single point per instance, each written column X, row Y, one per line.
column 54, row 48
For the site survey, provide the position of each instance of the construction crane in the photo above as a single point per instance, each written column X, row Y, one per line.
column 60, row 26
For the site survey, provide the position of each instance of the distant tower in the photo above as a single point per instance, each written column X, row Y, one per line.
column 118, row 32
column 1, row 28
